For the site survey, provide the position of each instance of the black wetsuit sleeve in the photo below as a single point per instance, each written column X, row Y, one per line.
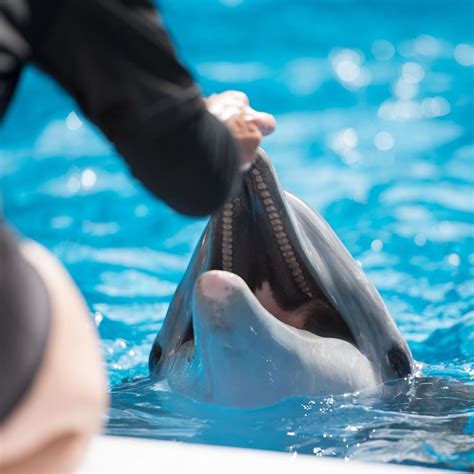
column 14, row 49
column 116, row 60
column 24, row 324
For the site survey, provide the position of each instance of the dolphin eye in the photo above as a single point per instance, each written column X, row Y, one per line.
column 399, row 362
column 155, row 356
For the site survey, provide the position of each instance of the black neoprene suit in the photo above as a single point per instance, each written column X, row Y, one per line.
column 115, row 58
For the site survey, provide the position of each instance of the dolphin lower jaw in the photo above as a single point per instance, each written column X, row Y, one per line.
column 238, row 344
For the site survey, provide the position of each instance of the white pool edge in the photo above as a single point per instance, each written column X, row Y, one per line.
column 122, row 454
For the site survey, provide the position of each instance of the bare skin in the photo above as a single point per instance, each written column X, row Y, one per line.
column 64, row 405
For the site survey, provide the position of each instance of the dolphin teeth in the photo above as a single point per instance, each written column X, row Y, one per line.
column 227, row 238
column 281, row 236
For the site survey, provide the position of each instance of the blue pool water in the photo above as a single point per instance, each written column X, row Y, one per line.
column 375, row 110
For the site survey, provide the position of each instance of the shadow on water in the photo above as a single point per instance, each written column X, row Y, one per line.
column 424, row 422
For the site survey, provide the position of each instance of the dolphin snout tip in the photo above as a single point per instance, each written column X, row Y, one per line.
column 217, row 285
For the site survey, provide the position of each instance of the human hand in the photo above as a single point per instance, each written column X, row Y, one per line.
column 246, row 124
column 247, row 135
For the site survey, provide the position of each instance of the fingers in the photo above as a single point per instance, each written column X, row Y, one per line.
column 247, row 135
column 231, row 103
column 266, row 123
column 227, row 104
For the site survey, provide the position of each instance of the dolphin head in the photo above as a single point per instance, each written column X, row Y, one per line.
column 273, row 305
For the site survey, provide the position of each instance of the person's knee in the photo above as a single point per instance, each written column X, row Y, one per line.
column 64, row 406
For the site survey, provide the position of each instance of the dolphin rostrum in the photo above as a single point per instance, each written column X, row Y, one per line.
column 272, row 305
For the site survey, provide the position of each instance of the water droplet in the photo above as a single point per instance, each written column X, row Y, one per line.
column 435, row 107
column 98, row 318
column 464, row 54
column 454, row 260
column 73, row 184
column 347, row 70
column 350, row 137
column 384, row 141
column 121, row 343
column 141, row 210
column 317, row 451
column 383, row 50
column 73, row 122
column 88, row 178
column 405, row 90
column 420, row 240
column 376, row 245
column 427, row 45
column 412, row 73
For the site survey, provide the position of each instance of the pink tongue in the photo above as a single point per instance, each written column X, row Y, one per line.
column 296, row 318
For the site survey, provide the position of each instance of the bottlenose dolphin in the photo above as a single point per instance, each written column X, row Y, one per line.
column 272, row 305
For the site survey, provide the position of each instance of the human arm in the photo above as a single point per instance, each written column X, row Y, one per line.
column 115, row 59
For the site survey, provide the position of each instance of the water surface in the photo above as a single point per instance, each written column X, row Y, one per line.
column 374, row 102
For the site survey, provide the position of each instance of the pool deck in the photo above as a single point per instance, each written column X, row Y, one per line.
column 121, row 454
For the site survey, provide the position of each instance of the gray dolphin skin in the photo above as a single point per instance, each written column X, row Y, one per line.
column 272, row 305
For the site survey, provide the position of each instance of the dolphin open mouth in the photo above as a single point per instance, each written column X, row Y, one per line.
column 254, row 237
column 270, row 286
